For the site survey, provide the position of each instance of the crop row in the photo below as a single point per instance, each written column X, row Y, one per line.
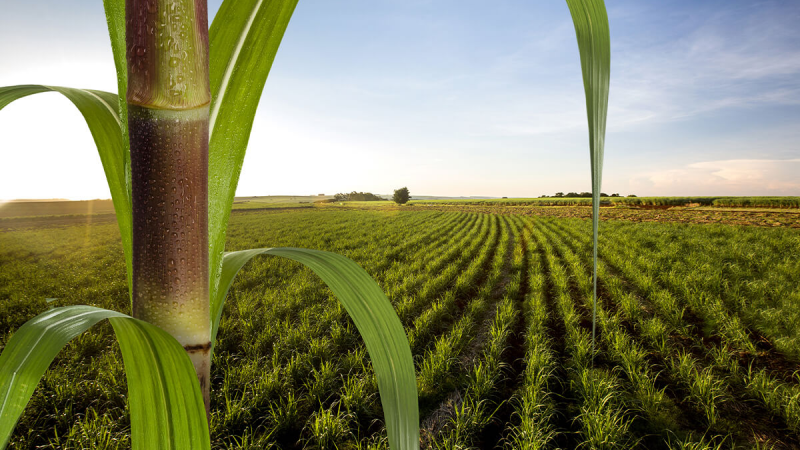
column 694, row 346
column 706, row 372
column 738, row 202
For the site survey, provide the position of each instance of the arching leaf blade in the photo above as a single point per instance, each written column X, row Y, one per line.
column 99, row 109
column 594, row 44
column 161, row 378
column 243, row 41
column 30, row 351
column 376, row 320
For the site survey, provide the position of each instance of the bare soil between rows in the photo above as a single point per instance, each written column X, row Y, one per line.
column 757, row 218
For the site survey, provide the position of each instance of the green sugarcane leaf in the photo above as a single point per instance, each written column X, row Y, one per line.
column 375, row 319
column 243, row 40
column 115, row 18
column 594, row 44
column 167, row 410
column 99, row 109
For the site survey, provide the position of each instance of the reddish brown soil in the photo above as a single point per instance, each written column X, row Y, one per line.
column 656, row 214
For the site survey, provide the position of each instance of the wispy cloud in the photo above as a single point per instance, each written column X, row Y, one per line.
column 733, row 58
column 458, row 97
column 730, row 177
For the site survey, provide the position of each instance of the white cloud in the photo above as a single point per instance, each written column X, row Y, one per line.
column 448, row 113
column 729, row 177
column 731, row 59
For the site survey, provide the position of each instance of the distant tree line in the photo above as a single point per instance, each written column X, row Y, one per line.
column 357, row 197
column 581, row 195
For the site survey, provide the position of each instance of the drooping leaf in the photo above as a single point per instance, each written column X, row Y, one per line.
column 594, row 43
column 167, row 410
column 243, row 40
column 99, row 109
column 376, row 320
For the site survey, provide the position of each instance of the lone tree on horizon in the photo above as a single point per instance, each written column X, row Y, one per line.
column 401, row 196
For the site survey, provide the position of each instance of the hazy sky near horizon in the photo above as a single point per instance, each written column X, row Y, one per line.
column 453, row 98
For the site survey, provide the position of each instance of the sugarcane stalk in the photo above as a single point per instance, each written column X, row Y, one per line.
column 168, row 103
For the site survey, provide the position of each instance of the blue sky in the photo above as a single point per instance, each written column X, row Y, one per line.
column 454, row 98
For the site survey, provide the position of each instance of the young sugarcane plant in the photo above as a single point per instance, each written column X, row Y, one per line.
column 172, row 142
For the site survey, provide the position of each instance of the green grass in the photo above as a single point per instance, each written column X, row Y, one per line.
column 498, row 311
